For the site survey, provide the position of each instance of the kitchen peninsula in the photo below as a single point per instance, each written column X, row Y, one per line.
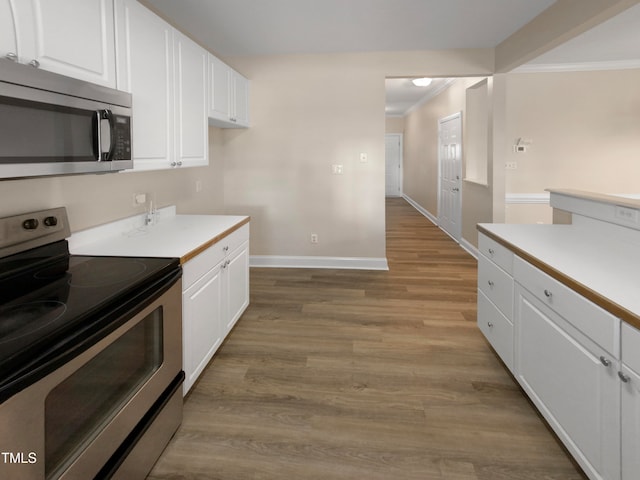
column 560, row 305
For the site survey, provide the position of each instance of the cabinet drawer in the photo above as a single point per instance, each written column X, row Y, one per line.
column 229, row 243
column 496, row 284
column 202, row 263
column 593, row 321
column 495, row 252
column 496, row 328
column 630, row 347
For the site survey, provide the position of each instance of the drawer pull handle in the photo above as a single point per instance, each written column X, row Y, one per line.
column 623, row 377
column 490, row 324
column 492, row 252
column 490, row 282
column 605, row 361
column 547, row 293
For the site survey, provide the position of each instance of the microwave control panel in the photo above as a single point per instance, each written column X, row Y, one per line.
column 122, row 132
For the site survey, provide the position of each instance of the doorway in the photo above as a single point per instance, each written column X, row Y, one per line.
column 393, row 164
column 450, row 173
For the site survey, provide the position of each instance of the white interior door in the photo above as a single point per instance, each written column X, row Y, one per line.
column 450, row 167
column 393, row 162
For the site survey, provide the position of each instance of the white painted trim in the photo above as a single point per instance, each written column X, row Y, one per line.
column 526, row 198
column 355, row 263
column 577, row 67
column 432, row 94
column 420, row 209
column 471, row 250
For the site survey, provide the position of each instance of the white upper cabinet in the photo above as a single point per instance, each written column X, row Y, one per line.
column 69, row 37
column 145, row 69
column 219, row 85
column 240, row 99
column 166, row 73
column 228, row 96
column 192, row 140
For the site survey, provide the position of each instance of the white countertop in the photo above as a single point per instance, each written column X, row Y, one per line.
column 176, row 236
column 605, row 264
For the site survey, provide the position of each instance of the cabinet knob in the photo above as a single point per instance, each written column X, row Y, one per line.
column 491, row 284
column 547, row 293
column 173, row 164
column 34, row 63
column 180, row 163
column 605, row 361
column 623, row 377
column 11, row 56
column 225, row 248
column 490, row 324
column 491, row 251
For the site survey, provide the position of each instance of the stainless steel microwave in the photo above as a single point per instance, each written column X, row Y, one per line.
column 55, row 125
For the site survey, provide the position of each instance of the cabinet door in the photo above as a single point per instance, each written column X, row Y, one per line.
column 192, row 132
column 236, row 285
column 9, row 47
column 201, row 317
column 573, row 382
column 73, row 38
column 219, row 89
column 145, row 69
column 240, row 99
column 630, row 420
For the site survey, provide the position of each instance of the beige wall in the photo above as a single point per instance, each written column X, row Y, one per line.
column 584, row 129
column 309, row 112
column 394, row 125
column 96, row 199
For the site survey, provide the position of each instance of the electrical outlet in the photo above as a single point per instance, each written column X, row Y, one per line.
column 198, row 186
column 139, row 199
column 511, row 165
column 314, row 238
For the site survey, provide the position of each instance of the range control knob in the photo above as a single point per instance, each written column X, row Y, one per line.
column 30, row 224
column 51, row 221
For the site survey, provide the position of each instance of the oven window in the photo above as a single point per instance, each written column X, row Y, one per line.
column 79, row 408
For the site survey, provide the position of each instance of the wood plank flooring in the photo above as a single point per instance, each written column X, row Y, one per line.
column 343, row 374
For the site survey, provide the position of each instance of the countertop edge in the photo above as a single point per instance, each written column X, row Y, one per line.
column 600, row 300
column 201, row 248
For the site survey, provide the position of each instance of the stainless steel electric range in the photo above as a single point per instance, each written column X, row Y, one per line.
column 90, row 356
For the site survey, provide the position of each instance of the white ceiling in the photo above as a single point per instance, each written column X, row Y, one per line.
column 266, row 27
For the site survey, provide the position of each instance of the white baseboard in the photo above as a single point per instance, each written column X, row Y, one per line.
column 355, row 263
column 471, row 250
column 420, row 209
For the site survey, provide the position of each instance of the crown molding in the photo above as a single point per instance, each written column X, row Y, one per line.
column 432, row 94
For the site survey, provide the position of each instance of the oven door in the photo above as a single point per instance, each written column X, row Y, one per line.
column 47, row 133
column 69, row 424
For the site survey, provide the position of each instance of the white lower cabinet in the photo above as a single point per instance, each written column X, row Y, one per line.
column 215, row 295
column 579, row 364
column 236, row 295
column 630, row 405
column 572, row 381
column 202, row 316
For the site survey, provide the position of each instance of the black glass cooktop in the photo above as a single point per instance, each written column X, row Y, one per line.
column 46, row 294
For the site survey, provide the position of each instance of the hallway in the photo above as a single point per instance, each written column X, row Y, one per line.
column 347, row 374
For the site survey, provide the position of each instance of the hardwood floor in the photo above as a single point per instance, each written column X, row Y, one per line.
column 344, row 374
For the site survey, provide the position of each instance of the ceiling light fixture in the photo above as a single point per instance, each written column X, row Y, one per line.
column 421, row 82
